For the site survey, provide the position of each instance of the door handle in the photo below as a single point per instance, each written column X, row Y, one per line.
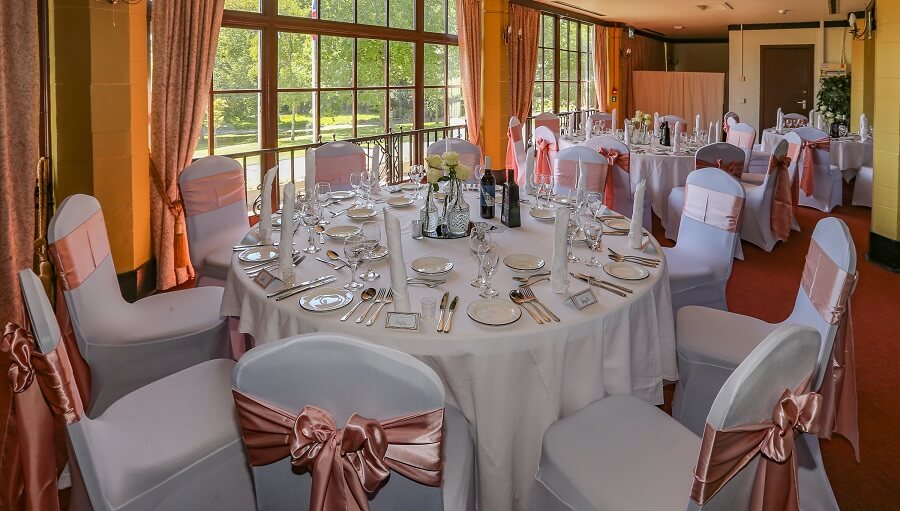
column 803, row 103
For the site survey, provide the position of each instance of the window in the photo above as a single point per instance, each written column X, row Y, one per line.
column 543, row 99
column 564, row 74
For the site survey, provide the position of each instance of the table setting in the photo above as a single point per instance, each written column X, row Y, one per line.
column 848, row 152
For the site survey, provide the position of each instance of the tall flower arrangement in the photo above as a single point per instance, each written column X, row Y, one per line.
column 833, row 100
column 447, row 168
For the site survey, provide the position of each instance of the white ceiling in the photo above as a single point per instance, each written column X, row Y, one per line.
column 662, row 15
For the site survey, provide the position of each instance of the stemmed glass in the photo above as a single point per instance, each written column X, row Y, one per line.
column 416, row 172
column 311, row 214
column 323, row 196
column 594, row 232
column 366, row 183
column 481, row 243
column 571, row 231
column 594, row 202
column 355, row 183
column 354, row 247
column 478, row 173
column 489, row 268
column 543, row 184
column 371, row 233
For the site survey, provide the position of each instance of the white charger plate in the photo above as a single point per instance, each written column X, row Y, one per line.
column 523, row 262
column 543, row 213
column 258, row 254
column 619, row 224
column 361, row 213
column 399, row 202
column 494, row 312
column 323, row 299
column 431, row 265
column 341, row 231
column 626, row 271
column 408, row 186
column 343, row 194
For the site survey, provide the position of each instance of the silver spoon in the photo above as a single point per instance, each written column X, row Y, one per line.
column 516, row 296
column 334, row 256
column 321, row 230
column 365, row 296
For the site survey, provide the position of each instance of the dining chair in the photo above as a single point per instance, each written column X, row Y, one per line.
column 126, row 345
column 672, row 119
column 795, row 120
column 731, row 118
column 767, row 220
column 171, row 445
column 215, row 209
column 515, row 149
column 469, row 153
column 623, row 453
column 603, row 120
column 821, row 183
column 743, row 136
column 700, row 262
column 333, row 163
column 329, row 379
column 619, row 173
column 549, row 120
column 566, row 173
column 862, row 186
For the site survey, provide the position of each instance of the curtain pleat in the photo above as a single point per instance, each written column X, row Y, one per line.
column 600, row 72
column 523, row 43
column 468, row 29
column 682, row 94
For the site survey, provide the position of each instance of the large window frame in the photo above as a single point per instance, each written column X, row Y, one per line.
column 565, row 65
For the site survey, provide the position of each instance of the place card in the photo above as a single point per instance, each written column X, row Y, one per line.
column 582, row 299
column 264, row 278
column 402, row 320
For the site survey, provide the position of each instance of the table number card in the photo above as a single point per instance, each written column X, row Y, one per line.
column 264, row 279
column 582, row 299
column 403, row 320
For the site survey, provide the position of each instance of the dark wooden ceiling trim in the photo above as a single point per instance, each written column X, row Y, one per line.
column 789, row 26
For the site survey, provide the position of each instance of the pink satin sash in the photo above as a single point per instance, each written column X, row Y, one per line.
column 724, row 453
column 552, row 124
column 807, row 176
column 829, row 288
column 212, row 192
column 794, row 154
column 735, row 168
column 567, row 174
column 615, row 159
column 545, row 152
column 742, row 139
column 714, row 208
column 347, row 465
column 782, row 207
column 512, row 162
column 337, row 169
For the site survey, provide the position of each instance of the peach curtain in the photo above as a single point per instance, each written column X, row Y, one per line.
column 185, row 35
column 600, row 59
column 681, row 94
column 19, row 147
column 468, row 29
column 646, row 55
column 523, row 42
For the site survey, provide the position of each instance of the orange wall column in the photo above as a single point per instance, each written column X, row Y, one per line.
column 614, row 66
column 495, row 81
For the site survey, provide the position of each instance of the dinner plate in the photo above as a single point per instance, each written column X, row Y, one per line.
column 361, row 213
column 380, row 252
column 399, row 202
column 258, row 254
column 523, row 262
column 543, row 213
column 431, row 265
column 494, row 312
column 562, row 199
column 626, row 271
column 276, row 220
column 343, row 194
column 618, row 224
column 341, row 231
column 323, row 299
column 408, row 186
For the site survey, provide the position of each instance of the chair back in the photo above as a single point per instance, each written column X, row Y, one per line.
column 795, row 120
column 333, row 163
column 672, row 119
column 782, row 361
column 601, row 121
column 710, row 220
column 621, row 178
column 566, row 175
column 548, row 120
column 40, row 313
column 469, row 153
column 341, row 375
column 742, row 135
column 215, row 205
column 821, row 158
column 794, row 141
column 518, row 135
column 731, row 157
column 732, row 118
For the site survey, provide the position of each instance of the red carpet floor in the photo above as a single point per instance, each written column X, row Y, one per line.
column 764, row 285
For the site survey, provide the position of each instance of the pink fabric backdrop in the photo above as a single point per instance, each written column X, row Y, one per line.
column 681, row 94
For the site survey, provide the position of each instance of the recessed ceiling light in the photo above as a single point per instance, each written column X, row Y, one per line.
column 678, row 27
column 783, row 11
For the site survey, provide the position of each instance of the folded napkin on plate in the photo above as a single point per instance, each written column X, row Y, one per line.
column 698, row 124
column 395, row 260
column 526, row 179
column 310, row 171
column 374, row 168
column 820, row 122
column 656, row 124
column 628, row 133
column 570, row 129
column 615, row 120
column 265, row 215
column 286, row 241
column 718, row 131
column 559, row 281
column 581, row 184
column 709, row 134
column 676, row 137
column 863, row 127
column 636, row 230
column 779, row 121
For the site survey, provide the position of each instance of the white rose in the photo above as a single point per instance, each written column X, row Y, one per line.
column 638, row 114
column 823, row 108
column 451, row 158
column 647, row 117
column 435, row 161
column 434, row 174
column 463, row 172
column 830, row 115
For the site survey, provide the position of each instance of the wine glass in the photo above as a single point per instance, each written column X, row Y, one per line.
column 354, row 248
column 489, row 268
column 371, row 233
column 543, row 184
column 594, row 232
column 478, row 173
column 594, row 202
column 323, row 196
column 571, row 231
column 355, row 183
column 481, row 243
column 310, row 214
column 366, row 183
column 416, row 172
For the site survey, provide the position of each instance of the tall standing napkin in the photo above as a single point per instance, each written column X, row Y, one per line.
column 698, row 124
column 559, row 281
column 636, row 230
column 265, row 215
column 709, row 134
column 656, row 124
column 718, row 131
column 581, row 184
column 527, row 178
column 628, row 133
column 676, row 137
column 615, row 119
column 570, row 129
column 779, row 121
column 820, row 122
column 585, row 116
column 395, row 260
column 286, row 241
column 310, row 173
column 863, row 127
column 373, row 169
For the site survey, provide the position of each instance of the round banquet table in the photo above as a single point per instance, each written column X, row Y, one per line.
column 510, row 382
column 847, row 153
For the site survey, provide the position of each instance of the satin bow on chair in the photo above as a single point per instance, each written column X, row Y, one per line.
column 615, row 158
column 724, row 453
column 545, row 149
column 347, row 465
column 735, row 168
column 807, row 177
column 782, row 200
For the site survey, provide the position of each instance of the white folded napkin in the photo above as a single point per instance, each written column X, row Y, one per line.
column 718, row 131
column 698, row 123
column 396, row 262
column 863, row 127
column 286, row 241
column 820, row 122
column 628, row 133
column 676, row 137
column 310, row 177
column 265, row 214
column 373, row 169
column 656, row 124
column 527, row 185
column 580, row 185
column 615, row 119
column 779, row 121
column 584, row 123
column 709, row 134
column 636, row 229
column 812, row 117
column 588, row 128
column 559, row 281
column 570, row 129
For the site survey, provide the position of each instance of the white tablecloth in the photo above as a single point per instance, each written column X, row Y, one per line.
column 510, row 382
column 848, row 154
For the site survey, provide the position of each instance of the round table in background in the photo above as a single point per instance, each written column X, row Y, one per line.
column 847, row 153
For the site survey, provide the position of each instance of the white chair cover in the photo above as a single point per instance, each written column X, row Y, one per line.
column 700, row 263
column 333, row 163
column 624, row 454
column 173, row 444
column 828, row 192
column 128, row 345
column 469, row 153
column 672, row 119
column 343, row 375
column 758, row 199
column 732, row 118
column 795, row 120
column 566, row 170
column 212, row 233
column 518, row 145
column 623, row 188
column 862, row 187
column 742, row 135
column 599, row 122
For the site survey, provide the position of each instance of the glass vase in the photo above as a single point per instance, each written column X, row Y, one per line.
column 456, row 209
column 429, row 213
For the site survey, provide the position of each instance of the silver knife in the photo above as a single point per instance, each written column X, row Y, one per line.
column 595, row 282
column 327, row 280
column 444, row 300
column 450, row 317
column 308, row 282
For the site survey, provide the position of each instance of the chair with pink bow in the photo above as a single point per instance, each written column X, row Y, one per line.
column 712, row 343
column 578, row 164
column 619, row 190
column 469, row 153
column 333, row 163
column 331, row 423
column 515, row 147
column 126, row 345
column 547, row 120
column 730, row 119
column 744, row 136
column 820, row 183
column 795, row 120
column 700, row 263
column 545, row 150
column 720, row 155
column 768, row 206
column 215, row 209
column 599, row 122
column 173, row 444
column 625, row 454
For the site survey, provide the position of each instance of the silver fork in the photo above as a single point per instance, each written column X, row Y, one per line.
column 388, row 298
column 530, row 295
column 640, row 258
column 378, row 299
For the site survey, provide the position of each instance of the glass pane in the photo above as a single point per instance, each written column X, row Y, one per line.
column 236, row 122
column 548, row 32
column 453, row 77
column 336, row 61
column 242, row 5
column 451, row 17
column 402, row 65
column 402, row 13
column 295, row 118
column 237, row 60
column 586, row 66
column 401, row 108
column 563, row 98
column 434, row 108
column 336, row 10
column 302, row 8
column 203, row 142
column 456, row 109
column 586, row 31
column 563, row 66
column 573, row 96
column 537, row 100
column 370, row 112
column 573, row 66
column 295, row 69
column 435, row 60
column 336, row 114
column 563, row 34
column 371, row 12
column 435, row 12
column 370, row 57
column 548, row 98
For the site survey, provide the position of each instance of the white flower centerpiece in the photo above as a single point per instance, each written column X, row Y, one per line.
column 446, row 168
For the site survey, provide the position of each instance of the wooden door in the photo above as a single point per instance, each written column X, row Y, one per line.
column 786, row 81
